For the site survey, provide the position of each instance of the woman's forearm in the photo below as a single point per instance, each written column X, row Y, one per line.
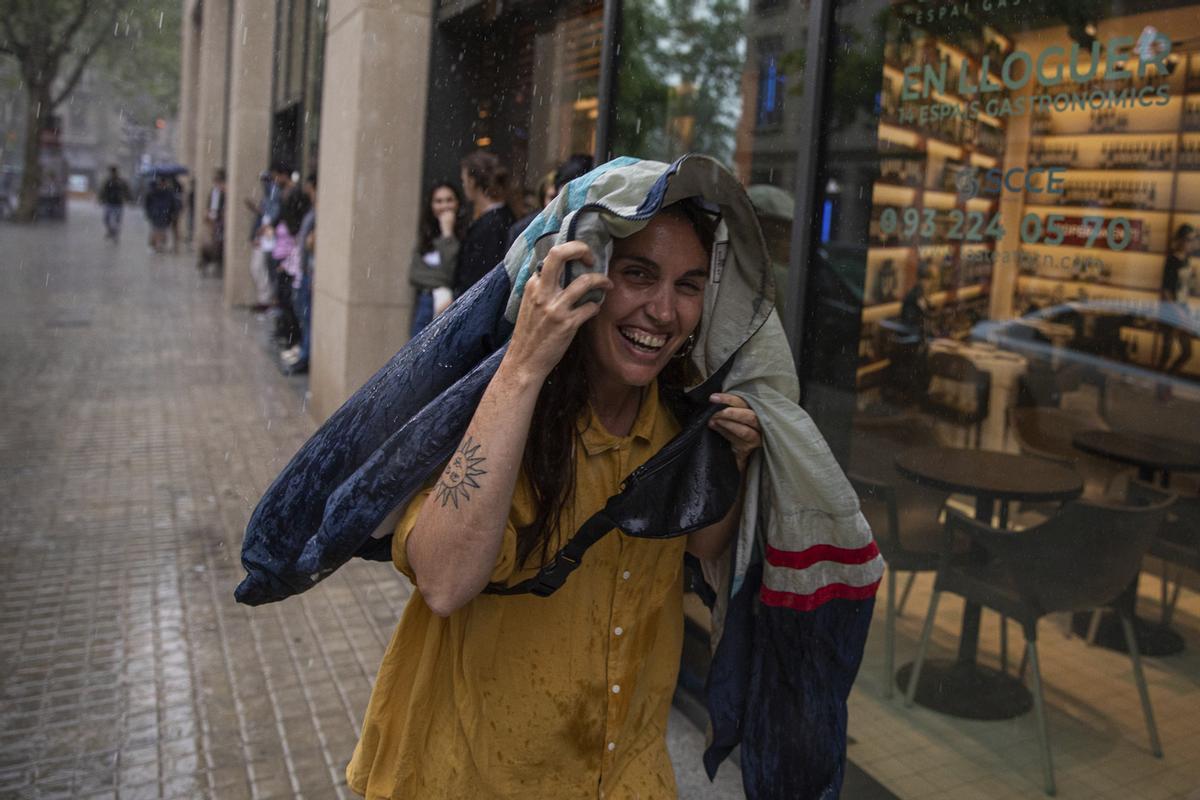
column 456, row 539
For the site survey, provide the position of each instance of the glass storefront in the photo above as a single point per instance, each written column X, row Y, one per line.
column 1006, row 218
column 296, row 93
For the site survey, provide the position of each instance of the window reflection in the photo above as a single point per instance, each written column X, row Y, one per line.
column 1008, row 227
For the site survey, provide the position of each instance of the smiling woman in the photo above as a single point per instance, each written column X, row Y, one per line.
column 576, row 404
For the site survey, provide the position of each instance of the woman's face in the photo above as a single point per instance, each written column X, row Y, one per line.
column 658, row 277
column 443, row 199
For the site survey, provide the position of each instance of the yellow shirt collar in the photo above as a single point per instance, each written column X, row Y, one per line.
column 596, row 439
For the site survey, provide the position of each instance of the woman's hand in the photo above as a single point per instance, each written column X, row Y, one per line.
column 549, row 318
column 739, row 425
column 446, row 221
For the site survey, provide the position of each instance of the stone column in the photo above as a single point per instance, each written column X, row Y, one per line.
column 372, row 138
column 209, row 122
column 188, row 84
column 250, row 63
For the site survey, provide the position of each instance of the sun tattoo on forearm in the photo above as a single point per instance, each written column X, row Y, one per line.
column 460, row 474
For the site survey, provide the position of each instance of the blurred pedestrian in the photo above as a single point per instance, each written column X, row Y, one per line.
column 485, row 185
column 264, row 289
column 278, row 189
column 162, row 205
column 285, row 258
column 295, row 360
column 1174, row 293
column 435, row 259
column 113, row 196
column 212, row 251
column 548, row 189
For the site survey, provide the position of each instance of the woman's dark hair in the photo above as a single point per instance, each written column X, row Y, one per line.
column 1181, row 234
column 430, row 228
column 488, row 174
column 549, row 458
column 295, row 205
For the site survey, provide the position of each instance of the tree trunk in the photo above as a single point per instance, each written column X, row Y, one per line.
column 37, row 114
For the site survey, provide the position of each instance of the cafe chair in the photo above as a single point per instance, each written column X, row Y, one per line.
column 1078, row 560
column 906, row 521
column 1138, row 406
column 1047, row 432
column 1177, row 542
column 958, row 393
column 904, row 517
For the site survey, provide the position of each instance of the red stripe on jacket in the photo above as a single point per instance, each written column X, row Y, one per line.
column 808, row 602
column 802, row 559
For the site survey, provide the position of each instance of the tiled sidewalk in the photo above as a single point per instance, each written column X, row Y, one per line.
column 141, row 421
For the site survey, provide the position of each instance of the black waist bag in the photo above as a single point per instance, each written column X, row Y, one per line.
column 689, row 484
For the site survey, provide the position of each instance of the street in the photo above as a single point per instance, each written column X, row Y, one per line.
column 141, row 421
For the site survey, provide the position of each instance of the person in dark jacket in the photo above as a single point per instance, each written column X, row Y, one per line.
column 485, row 185
column 162, row 205
column 113, row 195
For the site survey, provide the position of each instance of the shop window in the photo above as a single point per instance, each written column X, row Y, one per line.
column 1005, row 273
column 718, row 77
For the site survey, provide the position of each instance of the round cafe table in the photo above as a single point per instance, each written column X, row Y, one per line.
column 1155, row 457
column 962, row 687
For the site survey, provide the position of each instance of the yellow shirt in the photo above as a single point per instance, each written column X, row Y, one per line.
column 527, row 697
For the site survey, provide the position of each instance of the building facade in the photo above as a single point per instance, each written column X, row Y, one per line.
column 982, row 214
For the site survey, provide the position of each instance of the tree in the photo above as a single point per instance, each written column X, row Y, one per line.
column 52, row 41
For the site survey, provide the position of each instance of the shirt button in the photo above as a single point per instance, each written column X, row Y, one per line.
column 612, row 746
column 616, row 688
column 625, row 575
column 618, row 630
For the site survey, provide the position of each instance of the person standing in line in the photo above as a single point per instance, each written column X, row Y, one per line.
column 113, row 196
column 279, row 190
column 213, row 250
column 295, row 360
column 1173, row 294
column 485, row 185
column 569, row 170
column 264, row 291
column 287, row 265
column 434, row 261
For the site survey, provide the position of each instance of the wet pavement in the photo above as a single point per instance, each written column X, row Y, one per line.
column 139, row 422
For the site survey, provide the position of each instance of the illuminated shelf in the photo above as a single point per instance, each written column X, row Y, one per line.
column 882, row 311
column 1162, row 134
column 1077, row 170
column 1101, row 252
column 1094, row 289
column 1089, row 211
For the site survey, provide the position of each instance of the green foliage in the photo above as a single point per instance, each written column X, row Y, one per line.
column 142, row 60
column 680, row 60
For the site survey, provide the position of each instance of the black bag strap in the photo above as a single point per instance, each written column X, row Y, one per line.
column 554, row 574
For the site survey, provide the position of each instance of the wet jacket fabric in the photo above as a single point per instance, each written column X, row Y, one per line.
column 794, row 594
